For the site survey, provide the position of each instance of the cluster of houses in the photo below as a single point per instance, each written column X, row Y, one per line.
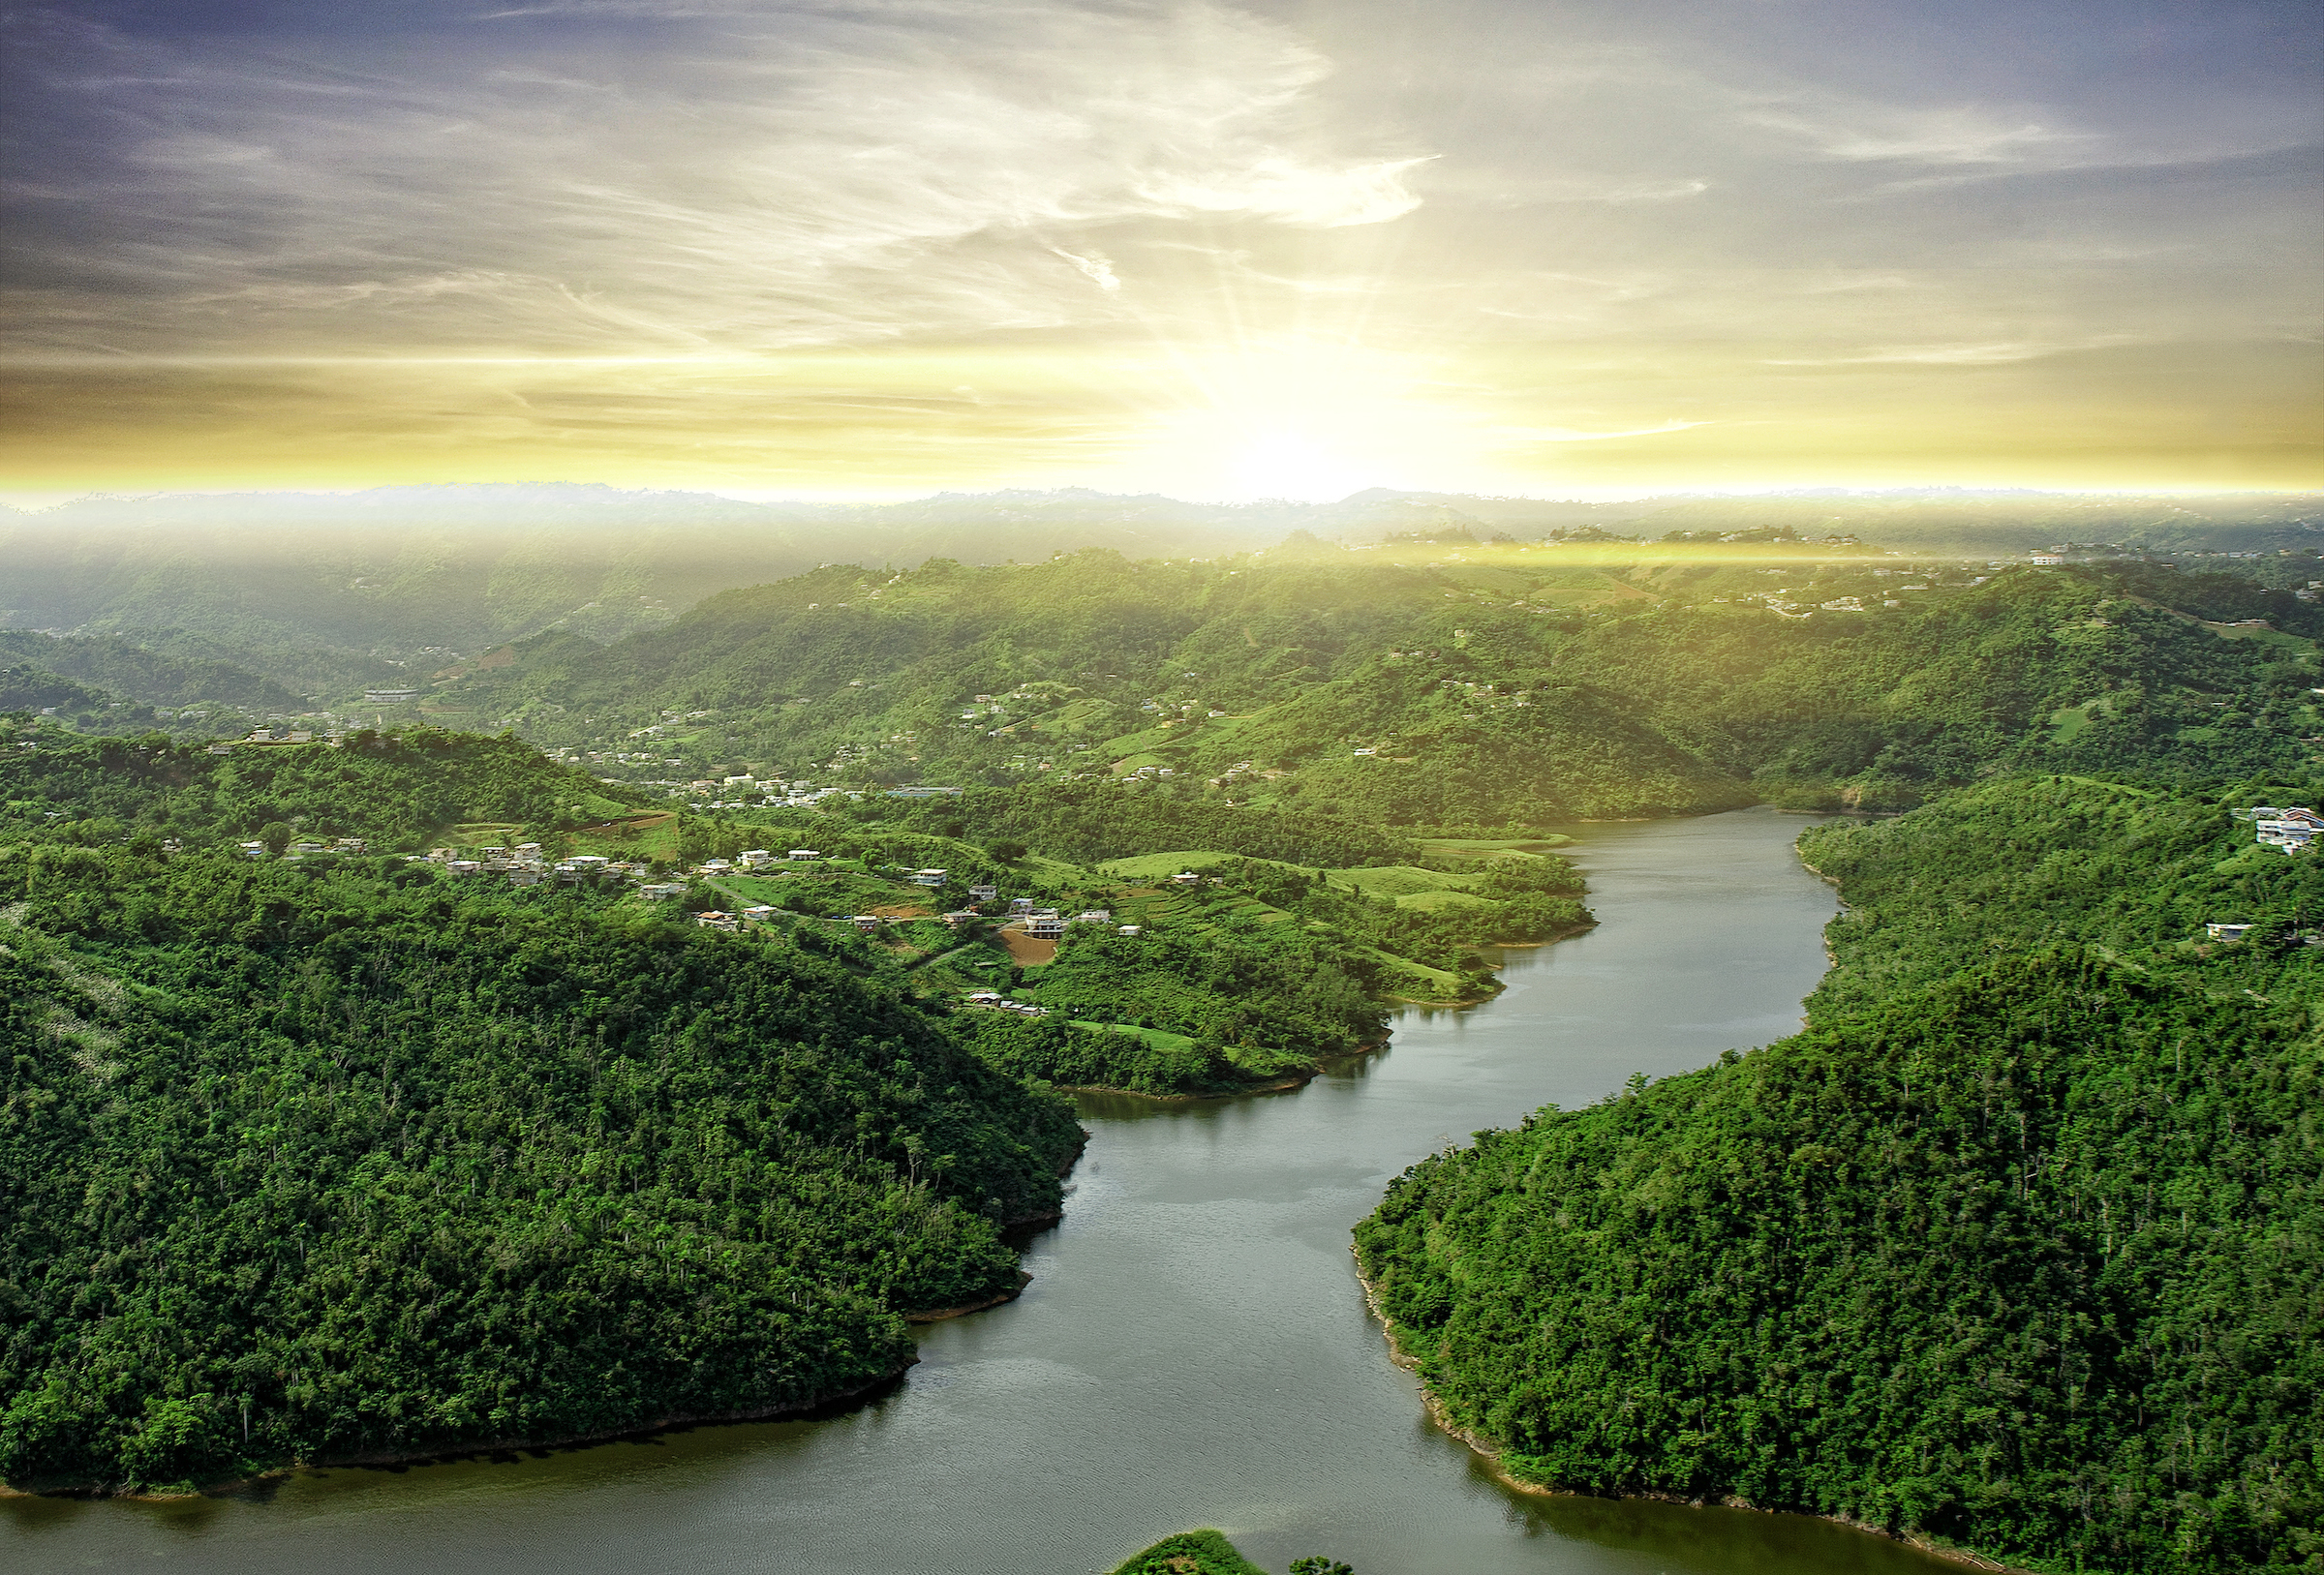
column 297, row 850
column 994, row 1000
column 525, row 865
column 1048, row 924
column 2289, row 828
column 266, row 738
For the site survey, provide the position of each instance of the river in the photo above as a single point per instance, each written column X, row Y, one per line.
column 1193, row 1351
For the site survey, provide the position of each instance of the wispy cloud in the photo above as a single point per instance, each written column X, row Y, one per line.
column 614, row 237
column 772, row 175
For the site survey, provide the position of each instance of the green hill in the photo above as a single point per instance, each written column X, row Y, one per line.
column 2019, row 1247
column 343, row 1159
column 1499, row 685
column 1189, row 1552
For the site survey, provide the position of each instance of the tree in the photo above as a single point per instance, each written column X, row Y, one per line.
column 1320, row 1565
column 276, row 836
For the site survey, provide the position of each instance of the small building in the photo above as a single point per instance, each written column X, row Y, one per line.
column 524, row 877
column 2047, row 560
column 2229, row 933
column 985, row 893
column 715, row 920
column 1095, row 916
column 866, row 921
column 1185, row 877
column 758, row 915
column 1020, row 904
column 754, row 857
column 1045, row 927
column 1127, row 930
column 464, row 866
column 804, row 856
column 716, row 866
column 253, row 850
column 389, row 697
column 928, row 877
column 662, row 891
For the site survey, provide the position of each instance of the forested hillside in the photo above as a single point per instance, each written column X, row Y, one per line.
column 391, row 788
column 342, row 1158
column 1501, row 685
column 2019, row 1247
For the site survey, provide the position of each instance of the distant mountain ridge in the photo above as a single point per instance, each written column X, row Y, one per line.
column 325, row 591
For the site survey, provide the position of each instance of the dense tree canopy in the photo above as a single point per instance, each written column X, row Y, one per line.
column 340, row 1158
column 2021, row 1250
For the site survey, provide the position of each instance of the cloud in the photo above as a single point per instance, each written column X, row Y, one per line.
column 766, row 175
column 1096, row 267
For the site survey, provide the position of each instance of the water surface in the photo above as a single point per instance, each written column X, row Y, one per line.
column 1194, row 1349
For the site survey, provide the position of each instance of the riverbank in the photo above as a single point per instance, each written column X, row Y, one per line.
column 1186, row 1355
column 819, row 1406
column 1489, row 1454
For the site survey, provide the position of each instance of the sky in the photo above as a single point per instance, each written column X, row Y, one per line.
column 1209, row 249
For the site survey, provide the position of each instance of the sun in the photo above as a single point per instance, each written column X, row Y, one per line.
column 1290, row 464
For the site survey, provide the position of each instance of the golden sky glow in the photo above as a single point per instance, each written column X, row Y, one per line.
column 1199, row 249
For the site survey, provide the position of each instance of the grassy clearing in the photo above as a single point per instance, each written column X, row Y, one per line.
column 1416, row 981
column 1160, row 866
column 1489, row 848
column 2068, row 721
column 1397, row 881
column 1055, row 872
column 1160, row 1039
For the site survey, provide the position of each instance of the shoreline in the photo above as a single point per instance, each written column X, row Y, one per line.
column 1490, row 1453
column 837, row 1401
column 939, row 1315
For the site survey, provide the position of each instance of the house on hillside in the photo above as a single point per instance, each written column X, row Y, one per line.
column 662, row 891
column 2229, row 933
column 804, row 856
column 1045, row 927
column 928, row 877
column 985, row 893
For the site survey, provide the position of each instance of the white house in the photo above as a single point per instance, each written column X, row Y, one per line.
column 928, row 877
column 2228, row 932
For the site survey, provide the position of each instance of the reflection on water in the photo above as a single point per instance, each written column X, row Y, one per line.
column 1194, row 1349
